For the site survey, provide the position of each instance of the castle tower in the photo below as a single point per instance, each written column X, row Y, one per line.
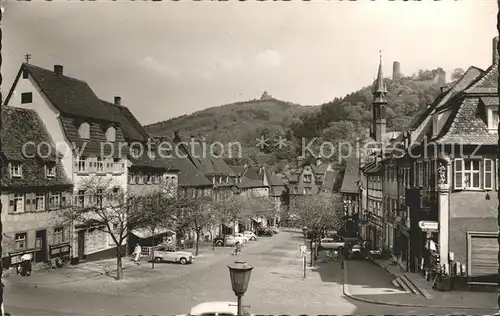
column 379, row 105
column 495, row 50
column 396, row 71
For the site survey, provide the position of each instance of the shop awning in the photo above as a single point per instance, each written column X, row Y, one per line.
column 144, row 233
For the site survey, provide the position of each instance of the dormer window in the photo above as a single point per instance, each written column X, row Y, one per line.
column 493, row 119
column 50, row 171
column 25, row 74
column 84, row 130
column 15, row 170
column 111, row 134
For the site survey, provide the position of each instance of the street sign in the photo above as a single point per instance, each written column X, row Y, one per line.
column 428, row 225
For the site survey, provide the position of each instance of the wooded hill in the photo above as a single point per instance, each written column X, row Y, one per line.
column 342, row 119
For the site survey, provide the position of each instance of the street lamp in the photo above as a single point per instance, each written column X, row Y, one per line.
column 240, row 272
column 304, row 230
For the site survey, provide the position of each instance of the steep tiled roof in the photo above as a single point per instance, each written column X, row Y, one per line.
column 70, row 96
column 467, row 79
column 466, row 127
column 132, row 129
column 321, row 168
column 203, row 159
column 188, row 176
column 487, row 84
column 238, row 170
column 329, row 180
column 20, row 126
column 351, row 176
column 467, row 123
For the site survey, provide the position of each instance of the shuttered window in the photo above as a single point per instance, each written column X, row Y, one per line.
column 488, row 174
column 458, row 179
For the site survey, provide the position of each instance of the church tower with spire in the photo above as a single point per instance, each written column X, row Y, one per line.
column 379, row 106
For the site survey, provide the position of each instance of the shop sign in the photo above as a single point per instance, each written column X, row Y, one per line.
column 59, row 250
column 428, row 226
column 15, row 257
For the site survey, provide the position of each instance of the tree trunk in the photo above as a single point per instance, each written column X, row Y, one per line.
column 153, row 252
column 119, row 267
column 197, row 246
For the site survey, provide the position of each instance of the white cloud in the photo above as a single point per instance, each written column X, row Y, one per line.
column 269, row 58
column 151, row 64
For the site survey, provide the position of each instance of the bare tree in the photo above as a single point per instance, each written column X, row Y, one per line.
column 106, row 208
column 198, row 214
column 157, row 211
column 228, row 210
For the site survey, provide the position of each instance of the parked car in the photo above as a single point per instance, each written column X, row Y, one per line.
column 226, row 240
column 275, row 230
column 241, row 238
column 265, row 232
column 168, row 254
column 250, row 235
column 334, row 243
column 217, row 309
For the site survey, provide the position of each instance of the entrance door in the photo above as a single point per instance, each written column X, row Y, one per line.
column 81, row 245
column 41, row 246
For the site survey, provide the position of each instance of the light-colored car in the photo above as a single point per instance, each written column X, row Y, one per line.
column 250, row 235
column 241, row 238
column 334, row 243
column 168, row 254
column 217, row 309
column 227, row 240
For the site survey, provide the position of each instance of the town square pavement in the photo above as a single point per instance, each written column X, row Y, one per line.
column 276, row 287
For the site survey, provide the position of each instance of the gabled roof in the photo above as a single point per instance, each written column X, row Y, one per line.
column 72, row 97
column 203, row 159
column 351, row 176
column 132, row 129
column 488, row 83
column 238, row 170
column 19, row 127
column 329, row 180
column 188, row 176
column 467, row 123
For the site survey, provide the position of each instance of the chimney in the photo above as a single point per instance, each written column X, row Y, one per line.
column 495, row 50
column 118, row 100
column 58, row 69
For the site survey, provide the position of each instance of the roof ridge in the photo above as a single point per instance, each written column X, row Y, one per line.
column 481, row 79
column 45, row 69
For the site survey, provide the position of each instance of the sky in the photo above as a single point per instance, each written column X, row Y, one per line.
column 167, row 59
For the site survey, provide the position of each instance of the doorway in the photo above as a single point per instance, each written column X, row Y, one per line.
column 81, row 244
column 41, row 246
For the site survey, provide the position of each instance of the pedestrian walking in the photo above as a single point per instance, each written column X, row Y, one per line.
column 237, row 248
column 137, row 253
column 182, row 243
column 26, row 264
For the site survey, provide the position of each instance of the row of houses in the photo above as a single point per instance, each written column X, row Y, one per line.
column 428, row 196
column 57, row 133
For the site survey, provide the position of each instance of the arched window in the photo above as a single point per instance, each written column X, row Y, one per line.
column 84, row 130
column 111, row 134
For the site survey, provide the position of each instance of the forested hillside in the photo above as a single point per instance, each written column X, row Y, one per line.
column 343, row 119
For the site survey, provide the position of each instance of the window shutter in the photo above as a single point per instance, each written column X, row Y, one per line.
column 488, row 174
column 496, row 173
column 459, row 174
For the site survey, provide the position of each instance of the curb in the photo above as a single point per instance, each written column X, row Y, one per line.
column 346, row 293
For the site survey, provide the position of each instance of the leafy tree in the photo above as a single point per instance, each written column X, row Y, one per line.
column 320, row 213
column 106, row 208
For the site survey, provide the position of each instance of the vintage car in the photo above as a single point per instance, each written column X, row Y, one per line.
column 217, row 309
column 170, row 254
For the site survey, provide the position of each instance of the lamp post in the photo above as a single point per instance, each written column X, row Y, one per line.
column 304, row 230
column 240, row 272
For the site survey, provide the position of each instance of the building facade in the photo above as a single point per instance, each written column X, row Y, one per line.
column 35, row 191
